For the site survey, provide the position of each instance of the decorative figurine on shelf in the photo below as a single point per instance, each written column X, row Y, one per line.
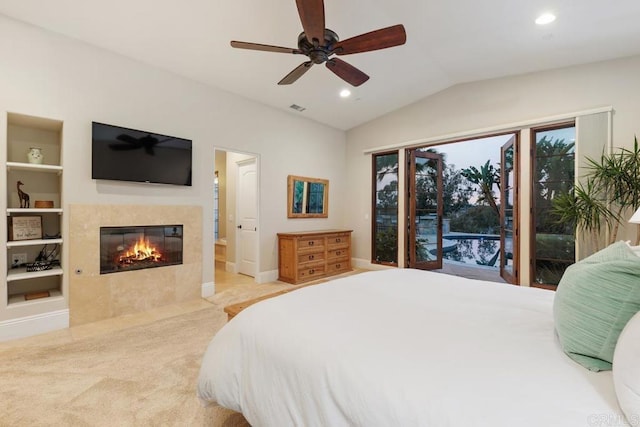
column 35, row 155
column 24, row 197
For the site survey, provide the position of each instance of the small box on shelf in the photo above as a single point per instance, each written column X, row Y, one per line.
column 35, row 295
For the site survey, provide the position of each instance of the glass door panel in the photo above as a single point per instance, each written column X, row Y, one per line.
column 425, row 210
column 508, row 212
column 385, row 209
column 553, row 168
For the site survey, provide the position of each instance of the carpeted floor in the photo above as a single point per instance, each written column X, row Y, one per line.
column 139, row 376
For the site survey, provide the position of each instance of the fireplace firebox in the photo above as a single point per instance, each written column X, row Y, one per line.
column 139, row 247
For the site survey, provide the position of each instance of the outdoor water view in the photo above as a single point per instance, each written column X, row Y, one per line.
column 471, row 212
column 472, row 194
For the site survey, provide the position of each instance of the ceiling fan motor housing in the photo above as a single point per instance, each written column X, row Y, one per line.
column 318, row 51
column 321, row 53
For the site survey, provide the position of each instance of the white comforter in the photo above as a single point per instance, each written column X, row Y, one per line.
column 403, row 347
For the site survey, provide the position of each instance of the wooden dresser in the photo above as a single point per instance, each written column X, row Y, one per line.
column 310, row 255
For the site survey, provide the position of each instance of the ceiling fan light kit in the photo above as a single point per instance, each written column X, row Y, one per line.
column 319, row 44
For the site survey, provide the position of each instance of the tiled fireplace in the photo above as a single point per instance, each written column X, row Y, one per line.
column 139, row 247
column 100, row 233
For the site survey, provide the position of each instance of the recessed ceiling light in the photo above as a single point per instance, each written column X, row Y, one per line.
column 545, row 18
column 345, row 93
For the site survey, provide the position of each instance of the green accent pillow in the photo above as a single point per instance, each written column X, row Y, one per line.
column 595, row 299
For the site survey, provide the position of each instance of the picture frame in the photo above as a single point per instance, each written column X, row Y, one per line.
column 307, row 197
column 25, row 227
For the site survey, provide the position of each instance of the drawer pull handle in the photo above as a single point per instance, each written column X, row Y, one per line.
column 338, row 265
column 338, row 240
column 312, row 271
column 311, row 243
column 338, row 252
column 311, row 257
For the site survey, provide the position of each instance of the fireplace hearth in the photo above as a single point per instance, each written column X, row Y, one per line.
column 139, row 247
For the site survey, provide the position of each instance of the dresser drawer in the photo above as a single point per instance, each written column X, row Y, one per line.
column 310, row 244
column 335, row 241
column 304, row 258
column 338, row 266
column 311, row 272
column 340, row 253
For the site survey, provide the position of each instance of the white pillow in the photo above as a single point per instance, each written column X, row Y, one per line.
column 635, row 249
column 626, row 370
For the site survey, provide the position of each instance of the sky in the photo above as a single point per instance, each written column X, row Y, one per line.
column 474, row 152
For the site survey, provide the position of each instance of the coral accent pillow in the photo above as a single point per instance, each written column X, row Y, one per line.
column 626, row 370
column 595, row 299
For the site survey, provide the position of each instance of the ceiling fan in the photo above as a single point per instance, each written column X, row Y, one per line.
column 147, row 142
column 320, row 44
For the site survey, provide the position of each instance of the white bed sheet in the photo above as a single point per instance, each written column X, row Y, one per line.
column 403, row 347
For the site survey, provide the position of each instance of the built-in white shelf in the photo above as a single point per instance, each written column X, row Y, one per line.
column 38, row 242
column 33, row 210
column 33, row 167
column 22, row 273
column 19, row 298
column 45, row 183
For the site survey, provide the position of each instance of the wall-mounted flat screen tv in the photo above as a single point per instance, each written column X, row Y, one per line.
column 123, row 154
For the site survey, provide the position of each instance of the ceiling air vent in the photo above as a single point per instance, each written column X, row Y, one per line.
column 297, row 107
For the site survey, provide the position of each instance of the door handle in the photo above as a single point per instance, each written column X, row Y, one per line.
column 240, row 226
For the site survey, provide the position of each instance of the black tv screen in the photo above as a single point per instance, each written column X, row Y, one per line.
column 124, row 154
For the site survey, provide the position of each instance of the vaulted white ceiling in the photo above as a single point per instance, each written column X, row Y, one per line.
column 448, row 42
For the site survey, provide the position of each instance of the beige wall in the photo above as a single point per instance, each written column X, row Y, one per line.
column 48, row 75
column 492, row 103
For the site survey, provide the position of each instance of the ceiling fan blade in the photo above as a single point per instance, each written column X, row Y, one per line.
column 374, row 40
column 296, row 73
column 346, row 72
column 263, row 47
column 312, row 17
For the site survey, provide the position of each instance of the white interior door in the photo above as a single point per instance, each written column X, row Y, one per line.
column 247, row 225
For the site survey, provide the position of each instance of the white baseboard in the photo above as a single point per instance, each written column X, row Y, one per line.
column 34, row 325
column 208, row 289
column 230, row 267
column 267, row 276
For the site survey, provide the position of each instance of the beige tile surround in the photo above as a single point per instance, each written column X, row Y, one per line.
column 94, row 297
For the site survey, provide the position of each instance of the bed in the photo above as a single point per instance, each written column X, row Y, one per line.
column 403, row 347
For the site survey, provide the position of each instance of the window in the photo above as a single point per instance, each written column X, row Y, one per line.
column 553, row 169
column 385, row 209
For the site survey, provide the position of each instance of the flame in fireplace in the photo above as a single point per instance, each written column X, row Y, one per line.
column 141, row 251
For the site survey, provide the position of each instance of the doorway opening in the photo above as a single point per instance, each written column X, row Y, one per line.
column 235, row 195
column 461, row 208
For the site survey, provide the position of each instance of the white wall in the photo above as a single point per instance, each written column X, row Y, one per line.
column 478, row 105
column 48, row 75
